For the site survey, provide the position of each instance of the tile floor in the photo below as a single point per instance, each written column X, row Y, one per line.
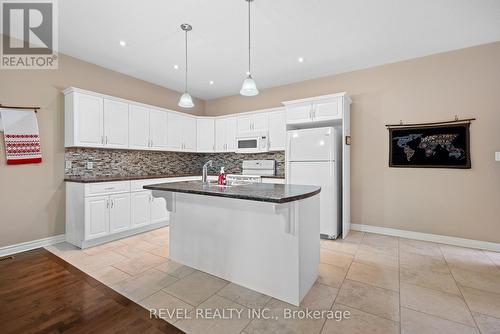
column 387, row 284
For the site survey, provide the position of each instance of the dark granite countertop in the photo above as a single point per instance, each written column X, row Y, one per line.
column 95, row 179
column 263, row 192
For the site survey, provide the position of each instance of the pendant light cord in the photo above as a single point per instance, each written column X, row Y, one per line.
column 249, row 69
column 186, row 44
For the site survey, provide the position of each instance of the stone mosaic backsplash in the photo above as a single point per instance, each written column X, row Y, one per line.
column 112, row 162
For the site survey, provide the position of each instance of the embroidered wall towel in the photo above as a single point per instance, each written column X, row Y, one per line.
column 22, row 140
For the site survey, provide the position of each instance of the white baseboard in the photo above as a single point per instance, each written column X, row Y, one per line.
column 442, row 239
column 29, row 245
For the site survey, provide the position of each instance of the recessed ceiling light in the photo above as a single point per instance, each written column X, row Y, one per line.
column 123, row 43
column 211, row 82
column 176, row 67
column 300, row 60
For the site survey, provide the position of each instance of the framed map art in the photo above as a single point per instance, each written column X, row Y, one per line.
column 436, row 146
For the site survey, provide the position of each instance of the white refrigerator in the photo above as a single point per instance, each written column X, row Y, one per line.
column 313, row 158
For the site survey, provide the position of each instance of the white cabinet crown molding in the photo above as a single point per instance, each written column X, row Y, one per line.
column 319, row 98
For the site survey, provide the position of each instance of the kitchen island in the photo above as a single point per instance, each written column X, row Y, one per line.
column 262, row 236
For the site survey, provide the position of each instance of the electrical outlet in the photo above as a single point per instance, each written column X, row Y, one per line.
column 67, row 165
column 497, row 156
column 90, row 165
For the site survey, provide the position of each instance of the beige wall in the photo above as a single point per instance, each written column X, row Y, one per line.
column 460, row 203
column 32, row 196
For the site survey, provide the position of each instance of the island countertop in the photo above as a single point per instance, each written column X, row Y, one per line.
column 262, row 192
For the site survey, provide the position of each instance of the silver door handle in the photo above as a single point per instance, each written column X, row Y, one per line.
column 107, row 204
column 112, row 203
column 106, row 139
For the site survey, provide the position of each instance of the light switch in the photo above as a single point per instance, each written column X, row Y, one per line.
column 497, row 156
column 90, row 165
column 68, row 164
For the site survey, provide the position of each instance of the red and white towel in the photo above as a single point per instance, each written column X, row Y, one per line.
column 22, row 141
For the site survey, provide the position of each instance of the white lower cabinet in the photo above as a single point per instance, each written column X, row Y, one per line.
column 140, row 212
column 100, row 212
column 119, row 213
column 96, row 217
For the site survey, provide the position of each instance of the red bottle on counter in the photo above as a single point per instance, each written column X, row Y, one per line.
column 222, row 177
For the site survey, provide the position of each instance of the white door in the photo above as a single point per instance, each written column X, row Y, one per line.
column 231, row 128
column 315, row 144
column 115, row 124
column 119, row 212
column 277, row 130
column 244, row 123
column 189, row 134
column 205, row 135
column 138, row 127
column 301, row 113
column 327, row 110
column 159, row 212
column 96, row 217
column 323, row 174
column 140, row 208
column 89, row 117
column 260, row 121
column 220, row 134
column 158, row 129
column 174, row 131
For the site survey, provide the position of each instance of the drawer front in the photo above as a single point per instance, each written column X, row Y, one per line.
column 105, row 188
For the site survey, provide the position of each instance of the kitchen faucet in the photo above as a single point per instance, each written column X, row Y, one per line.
column 204, row 177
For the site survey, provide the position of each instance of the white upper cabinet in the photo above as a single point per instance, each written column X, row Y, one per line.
column 158, row 129
column 300, row 113
column 181, row 132
column 138, row 127
column 147, row 128
column 174, row 132
column 189, row 133
column 231, row 128
column 277, row 130
column 327, row 110
column 84, row 120
column 253, row 122
column 115, row 124
column 205, row 135
column 225, row 134
column 260, row 121
column 318, row 109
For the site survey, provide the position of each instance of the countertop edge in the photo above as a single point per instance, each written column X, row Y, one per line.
column 243, row 197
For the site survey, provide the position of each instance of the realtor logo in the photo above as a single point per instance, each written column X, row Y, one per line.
column 29, row 34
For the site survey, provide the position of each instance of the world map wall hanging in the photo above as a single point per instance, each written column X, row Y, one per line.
column 432, row 146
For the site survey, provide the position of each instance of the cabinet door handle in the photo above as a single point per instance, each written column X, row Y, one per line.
column 112, row 203
column 102, row 140
column 106, row 140
column 107, row 204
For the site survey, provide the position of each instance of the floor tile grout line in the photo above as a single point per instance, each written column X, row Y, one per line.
column 370, row 313
column 461, row 294
column 440, row 317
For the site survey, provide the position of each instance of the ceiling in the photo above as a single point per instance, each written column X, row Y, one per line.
column 333, row 36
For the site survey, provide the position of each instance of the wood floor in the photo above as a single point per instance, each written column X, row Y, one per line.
column 41, row 293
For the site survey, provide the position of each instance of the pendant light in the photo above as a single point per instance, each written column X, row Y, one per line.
column 186, row 101
column 249, row 88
